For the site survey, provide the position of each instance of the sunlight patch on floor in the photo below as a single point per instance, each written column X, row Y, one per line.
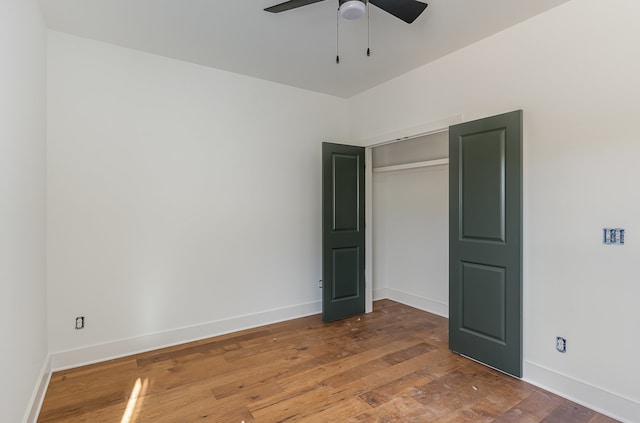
column 135, row 401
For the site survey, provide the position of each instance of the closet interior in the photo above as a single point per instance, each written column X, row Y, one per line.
column 410, row 190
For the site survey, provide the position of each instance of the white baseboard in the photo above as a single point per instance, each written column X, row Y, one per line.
column 604, row 402
column 35, row 404
column 425, row 304
column 122, row 348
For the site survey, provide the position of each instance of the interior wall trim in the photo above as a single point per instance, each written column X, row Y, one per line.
column 605, row 402
column 37, row 398
column 412, row 132
column 121, row 348
column 421, row 303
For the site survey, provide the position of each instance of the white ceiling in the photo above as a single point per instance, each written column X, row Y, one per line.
column 297, row 47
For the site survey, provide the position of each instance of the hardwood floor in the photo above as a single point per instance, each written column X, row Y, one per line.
column 392, row 365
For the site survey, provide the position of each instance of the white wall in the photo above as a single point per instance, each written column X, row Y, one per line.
column 574, row 71
column 411, row 236
column 178, row 196
column 23, row 345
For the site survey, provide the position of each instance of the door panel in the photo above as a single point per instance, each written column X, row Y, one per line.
column 345, row 192
column 342, row 231
column 485, row 241
column 345, row 276
column 482, row 185
column 489, row 318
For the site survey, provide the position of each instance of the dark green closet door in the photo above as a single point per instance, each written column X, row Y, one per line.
column 485, row 241
column 342, row 231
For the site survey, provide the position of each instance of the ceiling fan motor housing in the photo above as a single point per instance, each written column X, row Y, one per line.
column 406, row 10
column 352, row 9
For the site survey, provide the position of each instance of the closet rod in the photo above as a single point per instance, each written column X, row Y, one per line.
column 415, row 165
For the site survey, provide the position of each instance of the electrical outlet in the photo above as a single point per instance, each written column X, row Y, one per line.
column 80, row 322
column 561, row 344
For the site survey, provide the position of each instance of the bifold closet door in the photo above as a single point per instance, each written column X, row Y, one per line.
column 485, row 241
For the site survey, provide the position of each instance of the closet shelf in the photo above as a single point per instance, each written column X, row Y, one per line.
column 415, row 165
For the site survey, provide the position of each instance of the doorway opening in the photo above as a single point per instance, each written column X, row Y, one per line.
column 408, row 207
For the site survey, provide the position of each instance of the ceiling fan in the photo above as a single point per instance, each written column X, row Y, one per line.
column 406, row 10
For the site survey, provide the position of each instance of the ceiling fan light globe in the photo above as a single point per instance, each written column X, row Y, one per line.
column 352, row 9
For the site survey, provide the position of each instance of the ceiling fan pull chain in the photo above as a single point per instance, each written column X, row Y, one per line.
column 337, row 36
column 368, row 31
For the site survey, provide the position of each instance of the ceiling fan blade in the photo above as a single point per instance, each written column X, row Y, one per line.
column 291, row 4
column 407, row 10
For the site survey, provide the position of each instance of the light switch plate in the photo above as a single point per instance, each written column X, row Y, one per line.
column 613, row 236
